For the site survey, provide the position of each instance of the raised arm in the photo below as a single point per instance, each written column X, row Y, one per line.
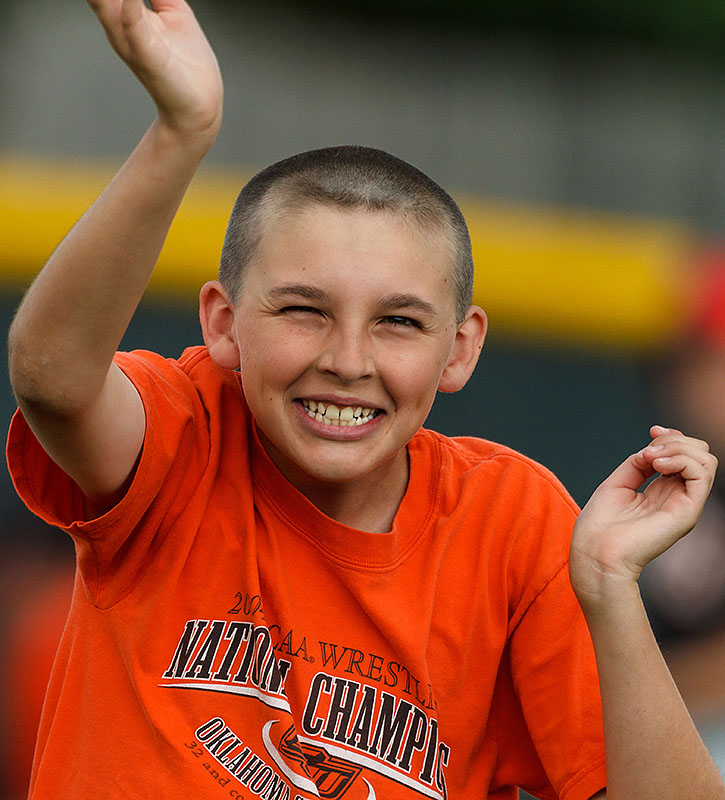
column 653, row 749
column 84, row 411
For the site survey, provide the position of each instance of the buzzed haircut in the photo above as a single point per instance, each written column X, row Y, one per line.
column 347, row 176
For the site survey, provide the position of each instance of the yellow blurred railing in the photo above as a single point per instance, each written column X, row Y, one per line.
column 563, row 276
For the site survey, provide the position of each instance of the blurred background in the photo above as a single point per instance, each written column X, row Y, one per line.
column 584, row 142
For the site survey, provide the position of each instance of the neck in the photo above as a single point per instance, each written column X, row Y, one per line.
column 372, row 510
column 367, row 504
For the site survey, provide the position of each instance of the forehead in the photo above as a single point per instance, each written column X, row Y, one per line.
column 326, row 240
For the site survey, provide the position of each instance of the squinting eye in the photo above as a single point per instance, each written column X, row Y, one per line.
column 404, row 322
column 300, row 309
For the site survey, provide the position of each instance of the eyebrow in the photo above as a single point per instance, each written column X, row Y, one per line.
column 297, row 290
column 408, row 301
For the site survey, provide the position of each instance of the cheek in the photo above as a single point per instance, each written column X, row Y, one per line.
column 413, row 377
column 273, row 357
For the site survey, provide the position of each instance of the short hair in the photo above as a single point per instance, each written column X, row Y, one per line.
column 347, row 176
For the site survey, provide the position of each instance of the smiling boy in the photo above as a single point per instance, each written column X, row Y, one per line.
column 286, row 587
column 326, row 317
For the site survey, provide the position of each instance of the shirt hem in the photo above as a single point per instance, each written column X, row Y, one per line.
column 585, row 784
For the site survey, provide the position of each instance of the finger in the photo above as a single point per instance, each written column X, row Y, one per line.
column 132, row 12
column 116, row 17
column 630, row 474
column 168, row 5
column 675, row 456
column 111, row 12
column 135, row 36
column 661, row 449
column 695, row 476
column 642, row 461
column 106, row 10
column 659, row 430
column 689, row 467
column 660, row 435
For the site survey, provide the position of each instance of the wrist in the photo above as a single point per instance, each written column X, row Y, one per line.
column 194, row 136
column 601, row 593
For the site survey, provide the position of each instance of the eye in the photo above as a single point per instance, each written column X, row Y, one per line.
column 398, row 321
column 300, row 310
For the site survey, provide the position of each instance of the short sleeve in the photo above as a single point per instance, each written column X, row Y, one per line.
column 555, row 678
column 542, row 718
column 173, row 457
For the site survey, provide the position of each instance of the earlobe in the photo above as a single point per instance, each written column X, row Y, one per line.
column 466, row 349
column 216, row 314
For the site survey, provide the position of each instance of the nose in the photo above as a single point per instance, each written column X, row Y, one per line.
column 347, row 354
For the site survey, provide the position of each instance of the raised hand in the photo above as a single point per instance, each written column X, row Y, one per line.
column 166, row 49
column 621, row 529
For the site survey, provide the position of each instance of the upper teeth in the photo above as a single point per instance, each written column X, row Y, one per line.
column 330, row 414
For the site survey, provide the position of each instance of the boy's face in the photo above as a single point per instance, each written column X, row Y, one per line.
column 344, row 327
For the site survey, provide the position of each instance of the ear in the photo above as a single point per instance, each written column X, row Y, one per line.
column 466, row 348
column 216, row 314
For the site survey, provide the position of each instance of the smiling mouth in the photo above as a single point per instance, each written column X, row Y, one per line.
column 343, row 417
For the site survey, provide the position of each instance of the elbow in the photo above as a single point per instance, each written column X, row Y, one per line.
column 25, row 364
column 39, row 382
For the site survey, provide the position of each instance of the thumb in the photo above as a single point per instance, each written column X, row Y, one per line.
column 632, row 472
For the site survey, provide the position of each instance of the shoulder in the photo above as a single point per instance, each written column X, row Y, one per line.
column 194, row 363
column 504, row 504
column 190, row 404
column 471, row 461
column 193, row 380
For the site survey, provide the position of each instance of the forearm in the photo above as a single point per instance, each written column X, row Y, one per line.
column 76, row 312
column 653, row 749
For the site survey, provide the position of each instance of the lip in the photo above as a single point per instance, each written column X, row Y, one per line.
column 338, row 433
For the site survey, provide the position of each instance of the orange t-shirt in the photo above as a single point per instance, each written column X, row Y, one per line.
column 227, row 639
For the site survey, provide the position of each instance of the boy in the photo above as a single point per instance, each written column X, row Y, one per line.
column 285, row 588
